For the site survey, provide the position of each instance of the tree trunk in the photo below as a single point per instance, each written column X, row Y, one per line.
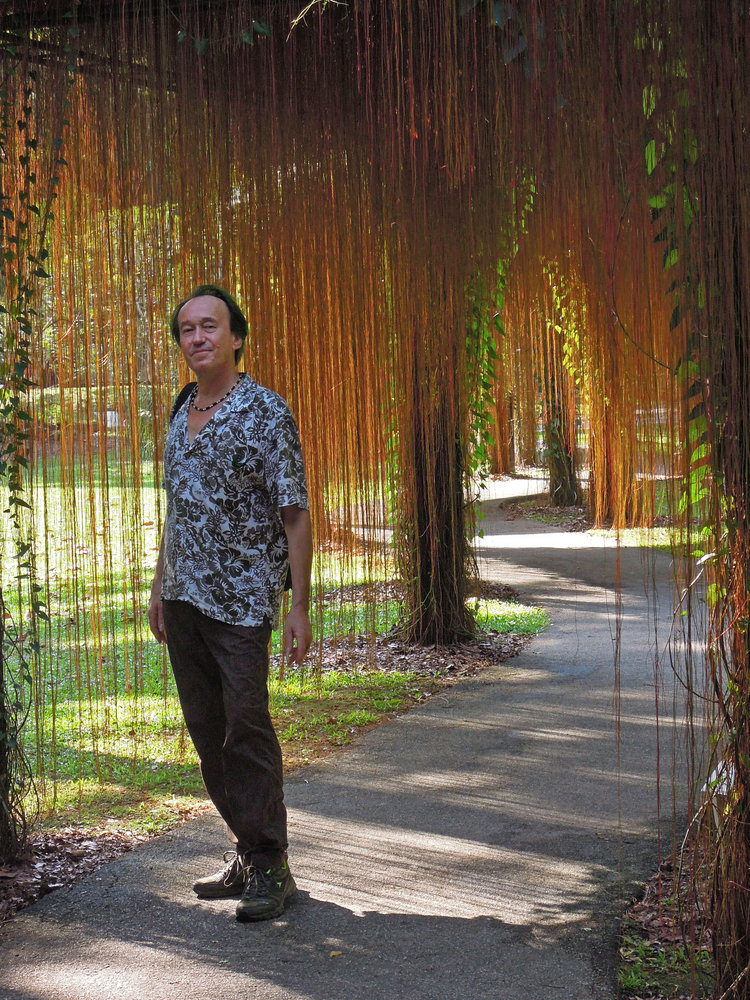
column 563, row 484
column 559, row 435
column 433, row 545
column 438, row 613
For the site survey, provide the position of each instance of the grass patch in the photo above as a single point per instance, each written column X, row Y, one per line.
column 335, row 708
column 668, row 971
column 117, row 807
column 110, row 754
column 509, row 618
column 132, row 766
column 665, row 944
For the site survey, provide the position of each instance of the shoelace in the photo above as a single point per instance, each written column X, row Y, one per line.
column 258, row 881
column 233, row 862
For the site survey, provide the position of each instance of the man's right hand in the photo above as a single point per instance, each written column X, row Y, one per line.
column 156, row 618
column 155, row 607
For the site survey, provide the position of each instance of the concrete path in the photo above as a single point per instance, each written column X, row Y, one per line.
column 481, row 846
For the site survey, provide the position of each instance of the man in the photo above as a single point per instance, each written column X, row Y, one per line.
column 237, row 520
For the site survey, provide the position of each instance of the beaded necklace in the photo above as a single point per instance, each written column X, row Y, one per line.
column 204, row 409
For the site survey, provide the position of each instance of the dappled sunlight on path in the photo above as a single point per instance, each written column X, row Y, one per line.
column 489, row 838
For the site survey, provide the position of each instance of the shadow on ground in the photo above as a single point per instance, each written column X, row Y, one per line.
column 480, row 846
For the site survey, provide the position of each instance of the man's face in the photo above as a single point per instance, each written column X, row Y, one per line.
column 206, row 340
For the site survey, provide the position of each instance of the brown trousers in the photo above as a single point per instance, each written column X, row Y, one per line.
column 222, row 679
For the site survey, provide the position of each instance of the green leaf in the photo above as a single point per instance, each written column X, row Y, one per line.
column 201, row 44
column 247, row 36
column 671, row 256
column 262, row 28
column 649, row 101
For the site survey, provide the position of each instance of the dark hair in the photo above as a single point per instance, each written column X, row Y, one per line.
column 237, row 321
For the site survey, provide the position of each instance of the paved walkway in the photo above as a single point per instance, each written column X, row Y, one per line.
column 480, row 846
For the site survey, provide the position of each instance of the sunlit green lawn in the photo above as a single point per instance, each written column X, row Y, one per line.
column 125, row 760
column 104, row 733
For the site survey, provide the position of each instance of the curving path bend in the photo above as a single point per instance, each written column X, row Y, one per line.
column 481, row 846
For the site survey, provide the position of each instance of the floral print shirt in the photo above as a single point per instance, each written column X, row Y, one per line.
column 225, row 549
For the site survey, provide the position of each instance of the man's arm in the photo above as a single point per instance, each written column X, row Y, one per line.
column 155, row 611
column 297, row 628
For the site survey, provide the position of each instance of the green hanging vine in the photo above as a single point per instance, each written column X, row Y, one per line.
column 24, row 223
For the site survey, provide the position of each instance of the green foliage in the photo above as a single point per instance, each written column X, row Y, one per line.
column 566, row 322
column 670, row 156
column 485, row 306
column 559, row 365
column 667, row 970
column 24, row 225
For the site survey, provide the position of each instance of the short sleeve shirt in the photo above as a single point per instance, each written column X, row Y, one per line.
column 225, row 549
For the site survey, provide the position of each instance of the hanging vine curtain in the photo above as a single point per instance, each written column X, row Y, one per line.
column 354, row 182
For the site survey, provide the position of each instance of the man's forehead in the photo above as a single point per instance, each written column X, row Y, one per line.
column 203, row 307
